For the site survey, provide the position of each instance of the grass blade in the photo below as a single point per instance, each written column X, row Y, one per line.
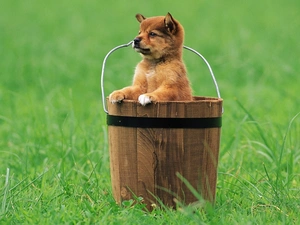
column 6, row 190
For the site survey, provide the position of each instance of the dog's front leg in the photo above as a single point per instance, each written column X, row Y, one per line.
column 117, row 96
column 131, row 93
column 163, row 93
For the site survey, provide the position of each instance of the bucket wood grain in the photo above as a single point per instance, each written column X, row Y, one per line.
column 144, row 160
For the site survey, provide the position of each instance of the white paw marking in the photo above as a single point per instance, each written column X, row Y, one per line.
column 144, row 100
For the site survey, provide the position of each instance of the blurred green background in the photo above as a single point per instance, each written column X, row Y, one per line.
column 51, row 116
column 252, row 47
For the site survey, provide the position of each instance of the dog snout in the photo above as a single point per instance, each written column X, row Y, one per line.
column 136, row 42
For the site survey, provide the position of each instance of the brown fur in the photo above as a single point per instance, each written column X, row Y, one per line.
column 161, row 75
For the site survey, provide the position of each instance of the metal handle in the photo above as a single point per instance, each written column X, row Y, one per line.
column 128, row 44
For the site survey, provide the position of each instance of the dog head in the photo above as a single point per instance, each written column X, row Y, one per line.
column 159, row 37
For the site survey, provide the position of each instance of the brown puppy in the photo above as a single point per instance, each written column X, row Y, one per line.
column 161, row 75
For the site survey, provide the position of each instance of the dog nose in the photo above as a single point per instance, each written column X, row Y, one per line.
column 137, row 41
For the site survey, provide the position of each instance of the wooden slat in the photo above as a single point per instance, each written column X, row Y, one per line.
column 114, row 162
column 169, row 151
column 146, row 163
column 202, row 147
column 123, row 154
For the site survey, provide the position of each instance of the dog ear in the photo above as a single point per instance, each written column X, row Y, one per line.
column 140, row 17
column 170, row 23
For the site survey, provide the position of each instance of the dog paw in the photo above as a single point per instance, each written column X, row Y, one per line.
column 116, row 97
column 144, row 100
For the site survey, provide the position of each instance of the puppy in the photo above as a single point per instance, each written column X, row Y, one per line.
column 161, row 75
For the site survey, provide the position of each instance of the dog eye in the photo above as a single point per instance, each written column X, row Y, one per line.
column 152, row 34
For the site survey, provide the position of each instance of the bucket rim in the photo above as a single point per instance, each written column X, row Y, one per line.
column 195, row 100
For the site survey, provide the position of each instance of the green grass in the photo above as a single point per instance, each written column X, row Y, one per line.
column 54, row 162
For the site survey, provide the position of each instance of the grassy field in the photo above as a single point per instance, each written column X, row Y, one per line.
column 54, row 161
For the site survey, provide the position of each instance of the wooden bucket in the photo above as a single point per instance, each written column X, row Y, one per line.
column 158, row 150
column 150, row 144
